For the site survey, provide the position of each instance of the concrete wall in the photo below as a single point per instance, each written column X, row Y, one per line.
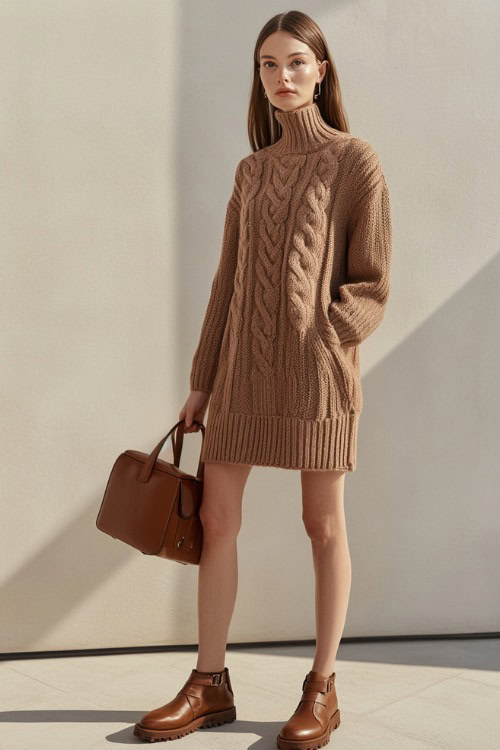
column 121, row 124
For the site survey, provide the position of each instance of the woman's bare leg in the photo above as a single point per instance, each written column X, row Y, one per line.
column 324, row 520
column 220, row 515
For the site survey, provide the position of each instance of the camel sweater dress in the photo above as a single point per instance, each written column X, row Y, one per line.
column 302, row 280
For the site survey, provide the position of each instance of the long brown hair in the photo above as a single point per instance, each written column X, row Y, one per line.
column 263, row 128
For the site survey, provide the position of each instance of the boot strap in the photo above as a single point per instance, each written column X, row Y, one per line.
column 318, row 698
column 320, row 686
column 208, row 678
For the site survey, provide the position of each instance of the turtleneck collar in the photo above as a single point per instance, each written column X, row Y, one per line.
column 303, row 130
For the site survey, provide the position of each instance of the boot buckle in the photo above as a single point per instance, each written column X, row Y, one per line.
column 217, row 678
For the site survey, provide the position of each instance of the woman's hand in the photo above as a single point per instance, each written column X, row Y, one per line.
column 194, row 409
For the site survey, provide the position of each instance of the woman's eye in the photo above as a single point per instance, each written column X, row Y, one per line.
column 295, row 61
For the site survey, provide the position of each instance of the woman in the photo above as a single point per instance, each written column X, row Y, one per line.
column 303, row 279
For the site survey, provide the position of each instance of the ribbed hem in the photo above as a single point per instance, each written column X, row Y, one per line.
column 285, row 442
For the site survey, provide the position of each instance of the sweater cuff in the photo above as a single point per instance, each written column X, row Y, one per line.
column 199, row 379
column 341, row 322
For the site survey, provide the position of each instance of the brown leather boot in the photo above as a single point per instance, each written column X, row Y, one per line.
column 316, row 716
column 205, row 700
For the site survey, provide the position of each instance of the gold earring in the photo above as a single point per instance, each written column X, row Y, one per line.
column 319, row 91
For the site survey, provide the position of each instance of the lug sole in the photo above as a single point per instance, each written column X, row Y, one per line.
column 311, row 744
column 201, row 722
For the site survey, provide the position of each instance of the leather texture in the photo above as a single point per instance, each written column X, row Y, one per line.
column 205, row 700
column 316, row 716
column 153, row 505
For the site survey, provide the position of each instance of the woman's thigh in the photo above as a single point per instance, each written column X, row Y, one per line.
column 223, row 488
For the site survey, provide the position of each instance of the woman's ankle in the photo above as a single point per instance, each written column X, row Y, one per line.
column 210, row 671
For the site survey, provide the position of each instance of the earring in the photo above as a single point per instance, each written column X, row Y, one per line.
column 265, row 94
column 319, row 91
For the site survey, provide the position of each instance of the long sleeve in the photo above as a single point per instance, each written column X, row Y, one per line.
column 206, row 356
column 364, row 296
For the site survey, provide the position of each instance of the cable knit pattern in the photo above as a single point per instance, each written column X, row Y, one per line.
column 302, row 280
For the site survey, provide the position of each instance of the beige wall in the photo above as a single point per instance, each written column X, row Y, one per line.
column 120, row 127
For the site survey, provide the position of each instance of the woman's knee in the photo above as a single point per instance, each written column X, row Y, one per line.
column 324, row 528
column 221, row 507
column 219, row 524
column 323, row 504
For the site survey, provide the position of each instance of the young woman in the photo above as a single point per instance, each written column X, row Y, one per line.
column 303, row 279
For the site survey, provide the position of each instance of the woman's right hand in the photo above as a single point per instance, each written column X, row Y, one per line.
column 194, row 409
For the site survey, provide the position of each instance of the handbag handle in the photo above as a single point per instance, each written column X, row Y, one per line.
column 177, row 443
column 146, row 470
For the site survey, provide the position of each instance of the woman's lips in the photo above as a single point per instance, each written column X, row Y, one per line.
column 286, row 93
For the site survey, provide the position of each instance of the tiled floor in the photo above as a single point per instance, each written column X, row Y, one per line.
column 401, row 696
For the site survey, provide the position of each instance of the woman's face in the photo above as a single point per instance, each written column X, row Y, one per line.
column 288, row 63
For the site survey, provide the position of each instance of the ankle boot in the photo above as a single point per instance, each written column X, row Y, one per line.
column 205, row 700
column 316, row 716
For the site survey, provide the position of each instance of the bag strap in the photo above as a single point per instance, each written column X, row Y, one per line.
column 146, row 470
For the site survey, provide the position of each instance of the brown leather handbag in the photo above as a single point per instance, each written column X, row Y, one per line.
column 153, row 505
